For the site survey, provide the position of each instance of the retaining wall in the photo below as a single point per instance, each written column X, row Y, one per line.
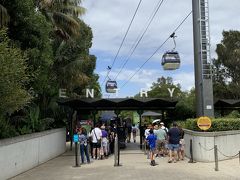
column 22, row 153
column 227, row 142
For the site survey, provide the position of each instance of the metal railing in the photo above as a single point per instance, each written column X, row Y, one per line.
column 216, row 151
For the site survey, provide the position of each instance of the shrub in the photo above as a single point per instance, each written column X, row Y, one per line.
column 6, row 129
column 220, row 124
column 233, row 114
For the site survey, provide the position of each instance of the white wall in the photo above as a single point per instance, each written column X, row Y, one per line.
column 203, row 142
column 22, row 153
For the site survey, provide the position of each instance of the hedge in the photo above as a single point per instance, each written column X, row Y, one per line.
column 219, row 124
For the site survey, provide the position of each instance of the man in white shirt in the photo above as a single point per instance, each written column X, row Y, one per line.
column 96, row 135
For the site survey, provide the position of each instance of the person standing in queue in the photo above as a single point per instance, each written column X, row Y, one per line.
column 173, row 139
column 83, row 139
column 96, row 135
column 152, row 145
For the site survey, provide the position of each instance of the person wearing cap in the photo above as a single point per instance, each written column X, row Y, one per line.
column 165, row 148
column 163, row 127
column 161, row 139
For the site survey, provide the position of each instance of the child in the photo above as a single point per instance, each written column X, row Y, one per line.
column 152, row 144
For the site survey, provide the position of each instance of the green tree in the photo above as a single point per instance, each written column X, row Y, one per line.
column 226, row 66
column 74, row 66
column 160, row 88
column 186, row 106
column 30, row 30
column 63, row 15
column 13, row 76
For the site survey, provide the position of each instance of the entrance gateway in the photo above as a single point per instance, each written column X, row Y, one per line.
column 93, row 105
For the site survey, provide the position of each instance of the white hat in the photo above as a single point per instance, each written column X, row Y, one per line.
column 161, row 123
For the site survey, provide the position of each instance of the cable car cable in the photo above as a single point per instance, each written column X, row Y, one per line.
column 157, row 50
column 145, row 62
column 139, row 40
column 140, row 1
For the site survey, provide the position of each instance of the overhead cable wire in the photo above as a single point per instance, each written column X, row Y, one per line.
column 159, row 4
column 157, row 49
column 122, row 41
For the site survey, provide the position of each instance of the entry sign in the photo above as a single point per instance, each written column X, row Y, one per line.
column 75, row 138
column 204, row 123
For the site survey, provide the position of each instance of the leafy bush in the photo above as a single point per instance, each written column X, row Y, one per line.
column 234, row 114
column 13, row 76
column 6, row 130
column 220, row 124
column 25, row 130
column 45, row 124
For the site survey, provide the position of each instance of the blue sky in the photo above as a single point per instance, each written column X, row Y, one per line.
column 109, row 20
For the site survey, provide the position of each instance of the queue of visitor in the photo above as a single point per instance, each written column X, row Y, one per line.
column 98, row 143
column 161, row 142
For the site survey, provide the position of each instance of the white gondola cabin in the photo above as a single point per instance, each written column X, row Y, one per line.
column 171, row 60
column 111, row 86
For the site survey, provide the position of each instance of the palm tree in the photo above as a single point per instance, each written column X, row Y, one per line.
column 73, row 75
column 4, row 17
column 63, row 14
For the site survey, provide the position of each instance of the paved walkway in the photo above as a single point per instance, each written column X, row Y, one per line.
column 135, row 166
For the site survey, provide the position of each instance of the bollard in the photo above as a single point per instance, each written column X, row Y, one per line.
column 116, row 151
column 141, row 142
column 77, row 153
column 191, row 152
column 239, row 157
column 216, row 157
column 145, row 148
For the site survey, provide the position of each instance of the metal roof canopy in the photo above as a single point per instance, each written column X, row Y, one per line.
column 227, row 104
column 150, row 113
column 118, row 103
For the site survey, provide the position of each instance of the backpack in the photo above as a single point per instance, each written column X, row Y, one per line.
column 165, row 129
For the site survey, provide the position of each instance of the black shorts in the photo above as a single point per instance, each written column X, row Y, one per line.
column 96, row 145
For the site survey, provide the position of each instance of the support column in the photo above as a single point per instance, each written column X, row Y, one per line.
column 140, row 112
column 163, row 116
column 94, row 112
column 117, row 144
column 71, row 129
column 202, row 59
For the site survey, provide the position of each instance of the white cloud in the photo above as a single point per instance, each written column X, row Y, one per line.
column 109, row 20
column 186, row 80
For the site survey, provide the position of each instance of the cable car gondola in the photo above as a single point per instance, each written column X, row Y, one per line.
column 171, row 59
column 111, row 86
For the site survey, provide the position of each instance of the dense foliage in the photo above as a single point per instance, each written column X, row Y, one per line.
column 220, row 124
column 226, row 66
column 44, row 46
column 13, row 77
column 185, row 107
